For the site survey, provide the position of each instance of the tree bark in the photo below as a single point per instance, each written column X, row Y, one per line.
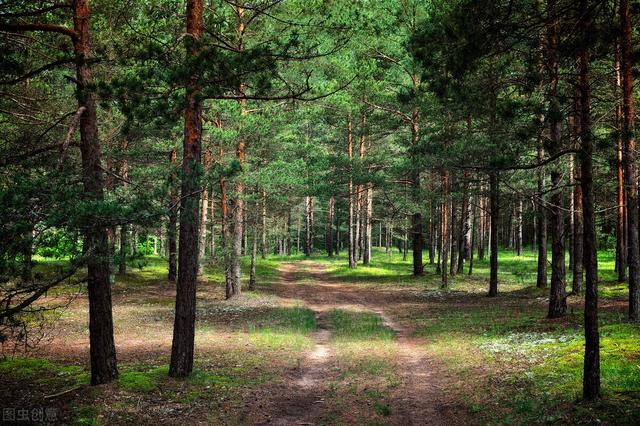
column 629, row 160
column 591, row 377
column 621, row 226
column 101, row 343
column 557, row 296
column 184, row 326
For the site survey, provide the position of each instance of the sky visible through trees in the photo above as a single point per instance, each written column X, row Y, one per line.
column 319, row 212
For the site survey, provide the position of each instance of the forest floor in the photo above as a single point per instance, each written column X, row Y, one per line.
column 319, row 343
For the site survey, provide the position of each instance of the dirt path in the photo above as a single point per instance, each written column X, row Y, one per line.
column 424, row 395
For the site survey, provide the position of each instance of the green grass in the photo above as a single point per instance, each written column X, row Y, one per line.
column 354, row 326
column 43, row 371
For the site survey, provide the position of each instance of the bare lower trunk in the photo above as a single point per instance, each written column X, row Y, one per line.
column 204, row 207
column 172, row 227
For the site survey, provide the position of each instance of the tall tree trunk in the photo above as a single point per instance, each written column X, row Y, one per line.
column 236, row 202
column 494, row 192
column 445, row 229
column 206, row 161
column 184, row 326
column 630, row 167
column 591, row 378
column 329, row 233
column 101, row 344
column 557, row 296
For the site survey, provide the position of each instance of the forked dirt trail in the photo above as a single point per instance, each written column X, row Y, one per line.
column 424, row 396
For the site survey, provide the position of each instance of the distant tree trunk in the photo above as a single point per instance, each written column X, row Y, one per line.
column 352, row 237
column 473, row 234
column 481, row 225
column 519, row 227
column 172, row 228
column 366, row 258
column 338, row 237
column 263, row 229
column 329, row 233
column 629, row 161
column 494, row 191
column 557, row 297
column 308, row 246
column 591, row 378
column 298, row 238
column 432, row 240
column 288, row 234
column 621, row 226
column 185, row 312
column 445, row 229
column 578, row 225
column 416, row 218
column 453, row 236
column 541, row 281
column 213, row 226
column 254, row 252
column 101, row 344
column 206, row 161
column 122, row 261
column 124, row 229
column 463, row 241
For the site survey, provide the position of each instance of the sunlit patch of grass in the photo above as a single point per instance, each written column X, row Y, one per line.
column 364, row 344
column 353, row 325
column 142, row 381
